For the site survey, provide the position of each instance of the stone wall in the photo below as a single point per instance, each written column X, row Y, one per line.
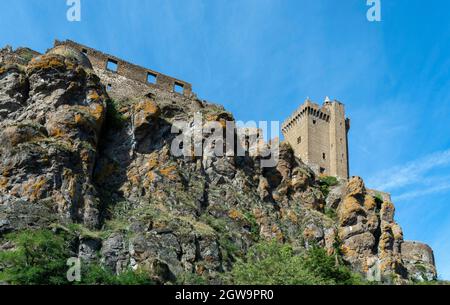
column 124, row 79
column 318, row 136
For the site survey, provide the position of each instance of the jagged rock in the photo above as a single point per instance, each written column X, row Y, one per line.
column 88, row 249
column 334, row 198
column 355, row 187
column 65, row 158
column 145, row 117
column 419, row 261
column 51, row 139
column 14, row 92
column 115, row 253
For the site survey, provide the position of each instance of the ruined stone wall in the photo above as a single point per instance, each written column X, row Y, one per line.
column 318, row 135
column 127, row 79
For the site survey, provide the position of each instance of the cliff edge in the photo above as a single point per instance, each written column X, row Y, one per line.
column 71, row 154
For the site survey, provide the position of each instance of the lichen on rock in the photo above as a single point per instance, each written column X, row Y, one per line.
column 63, row 160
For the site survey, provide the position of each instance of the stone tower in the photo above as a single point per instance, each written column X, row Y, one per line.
column 318, row 136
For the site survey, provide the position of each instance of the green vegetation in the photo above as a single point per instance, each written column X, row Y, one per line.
column 330, row 212
column 325, row 183
column 96, row 275
column 114, row 119
column 431, row 283
column 189, row 278
column 254, row 226
column 226, row 237
column 26, row 54
column 378, row 198
column 40, row 258
column 271, row 263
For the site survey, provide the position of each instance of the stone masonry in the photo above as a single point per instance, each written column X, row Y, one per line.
column 124, row 80
column 318, row 136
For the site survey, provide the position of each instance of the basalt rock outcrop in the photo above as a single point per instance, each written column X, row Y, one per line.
column 69, row 154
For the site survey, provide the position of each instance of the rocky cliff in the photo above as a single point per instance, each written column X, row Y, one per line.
column 69, row 154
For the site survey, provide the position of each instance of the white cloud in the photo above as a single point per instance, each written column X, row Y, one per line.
column 412, row 173
column 422, row 192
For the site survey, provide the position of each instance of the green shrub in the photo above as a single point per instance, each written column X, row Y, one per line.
column 39, row 257
column 254, row 226
column 330, row 212
column 325, row 183
column 378, row 199
column 94, row 274
column 271, row 263
column 328, row 180
column 189, row 278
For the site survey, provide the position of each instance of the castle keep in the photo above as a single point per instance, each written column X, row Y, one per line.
column 318, row 136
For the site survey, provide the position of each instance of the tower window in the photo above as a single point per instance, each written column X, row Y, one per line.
column 324, row 156
column 314, row 122
column 322, row 170
column 299, row 140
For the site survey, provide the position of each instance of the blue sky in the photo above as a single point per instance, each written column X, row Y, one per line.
column 262, row 58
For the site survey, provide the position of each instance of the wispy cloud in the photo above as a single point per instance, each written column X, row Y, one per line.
column 412, row 173
column 422, row 192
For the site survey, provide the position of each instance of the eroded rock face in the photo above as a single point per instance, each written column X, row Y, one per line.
column 419, row 261
column 49, row 135
column 372, row 242
column 66, row 157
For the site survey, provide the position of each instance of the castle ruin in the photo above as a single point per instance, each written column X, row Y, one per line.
column 318, row 136
column 124, row 80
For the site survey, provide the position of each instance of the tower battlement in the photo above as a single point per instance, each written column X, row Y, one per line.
column 318, row 136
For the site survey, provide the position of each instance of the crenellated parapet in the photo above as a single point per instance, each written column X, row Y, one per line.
column 318, row 136
column 308, row 108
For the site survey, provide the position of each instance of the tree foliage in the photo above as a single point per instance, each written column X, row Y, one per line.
column 40, row 258
column 271, row 263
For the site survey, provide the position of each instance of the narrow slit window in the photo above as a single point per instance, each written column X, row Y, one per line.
column 112, row 65
column 299, row 140
column 151, row 78
column 324, row 156
column 179, row 88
